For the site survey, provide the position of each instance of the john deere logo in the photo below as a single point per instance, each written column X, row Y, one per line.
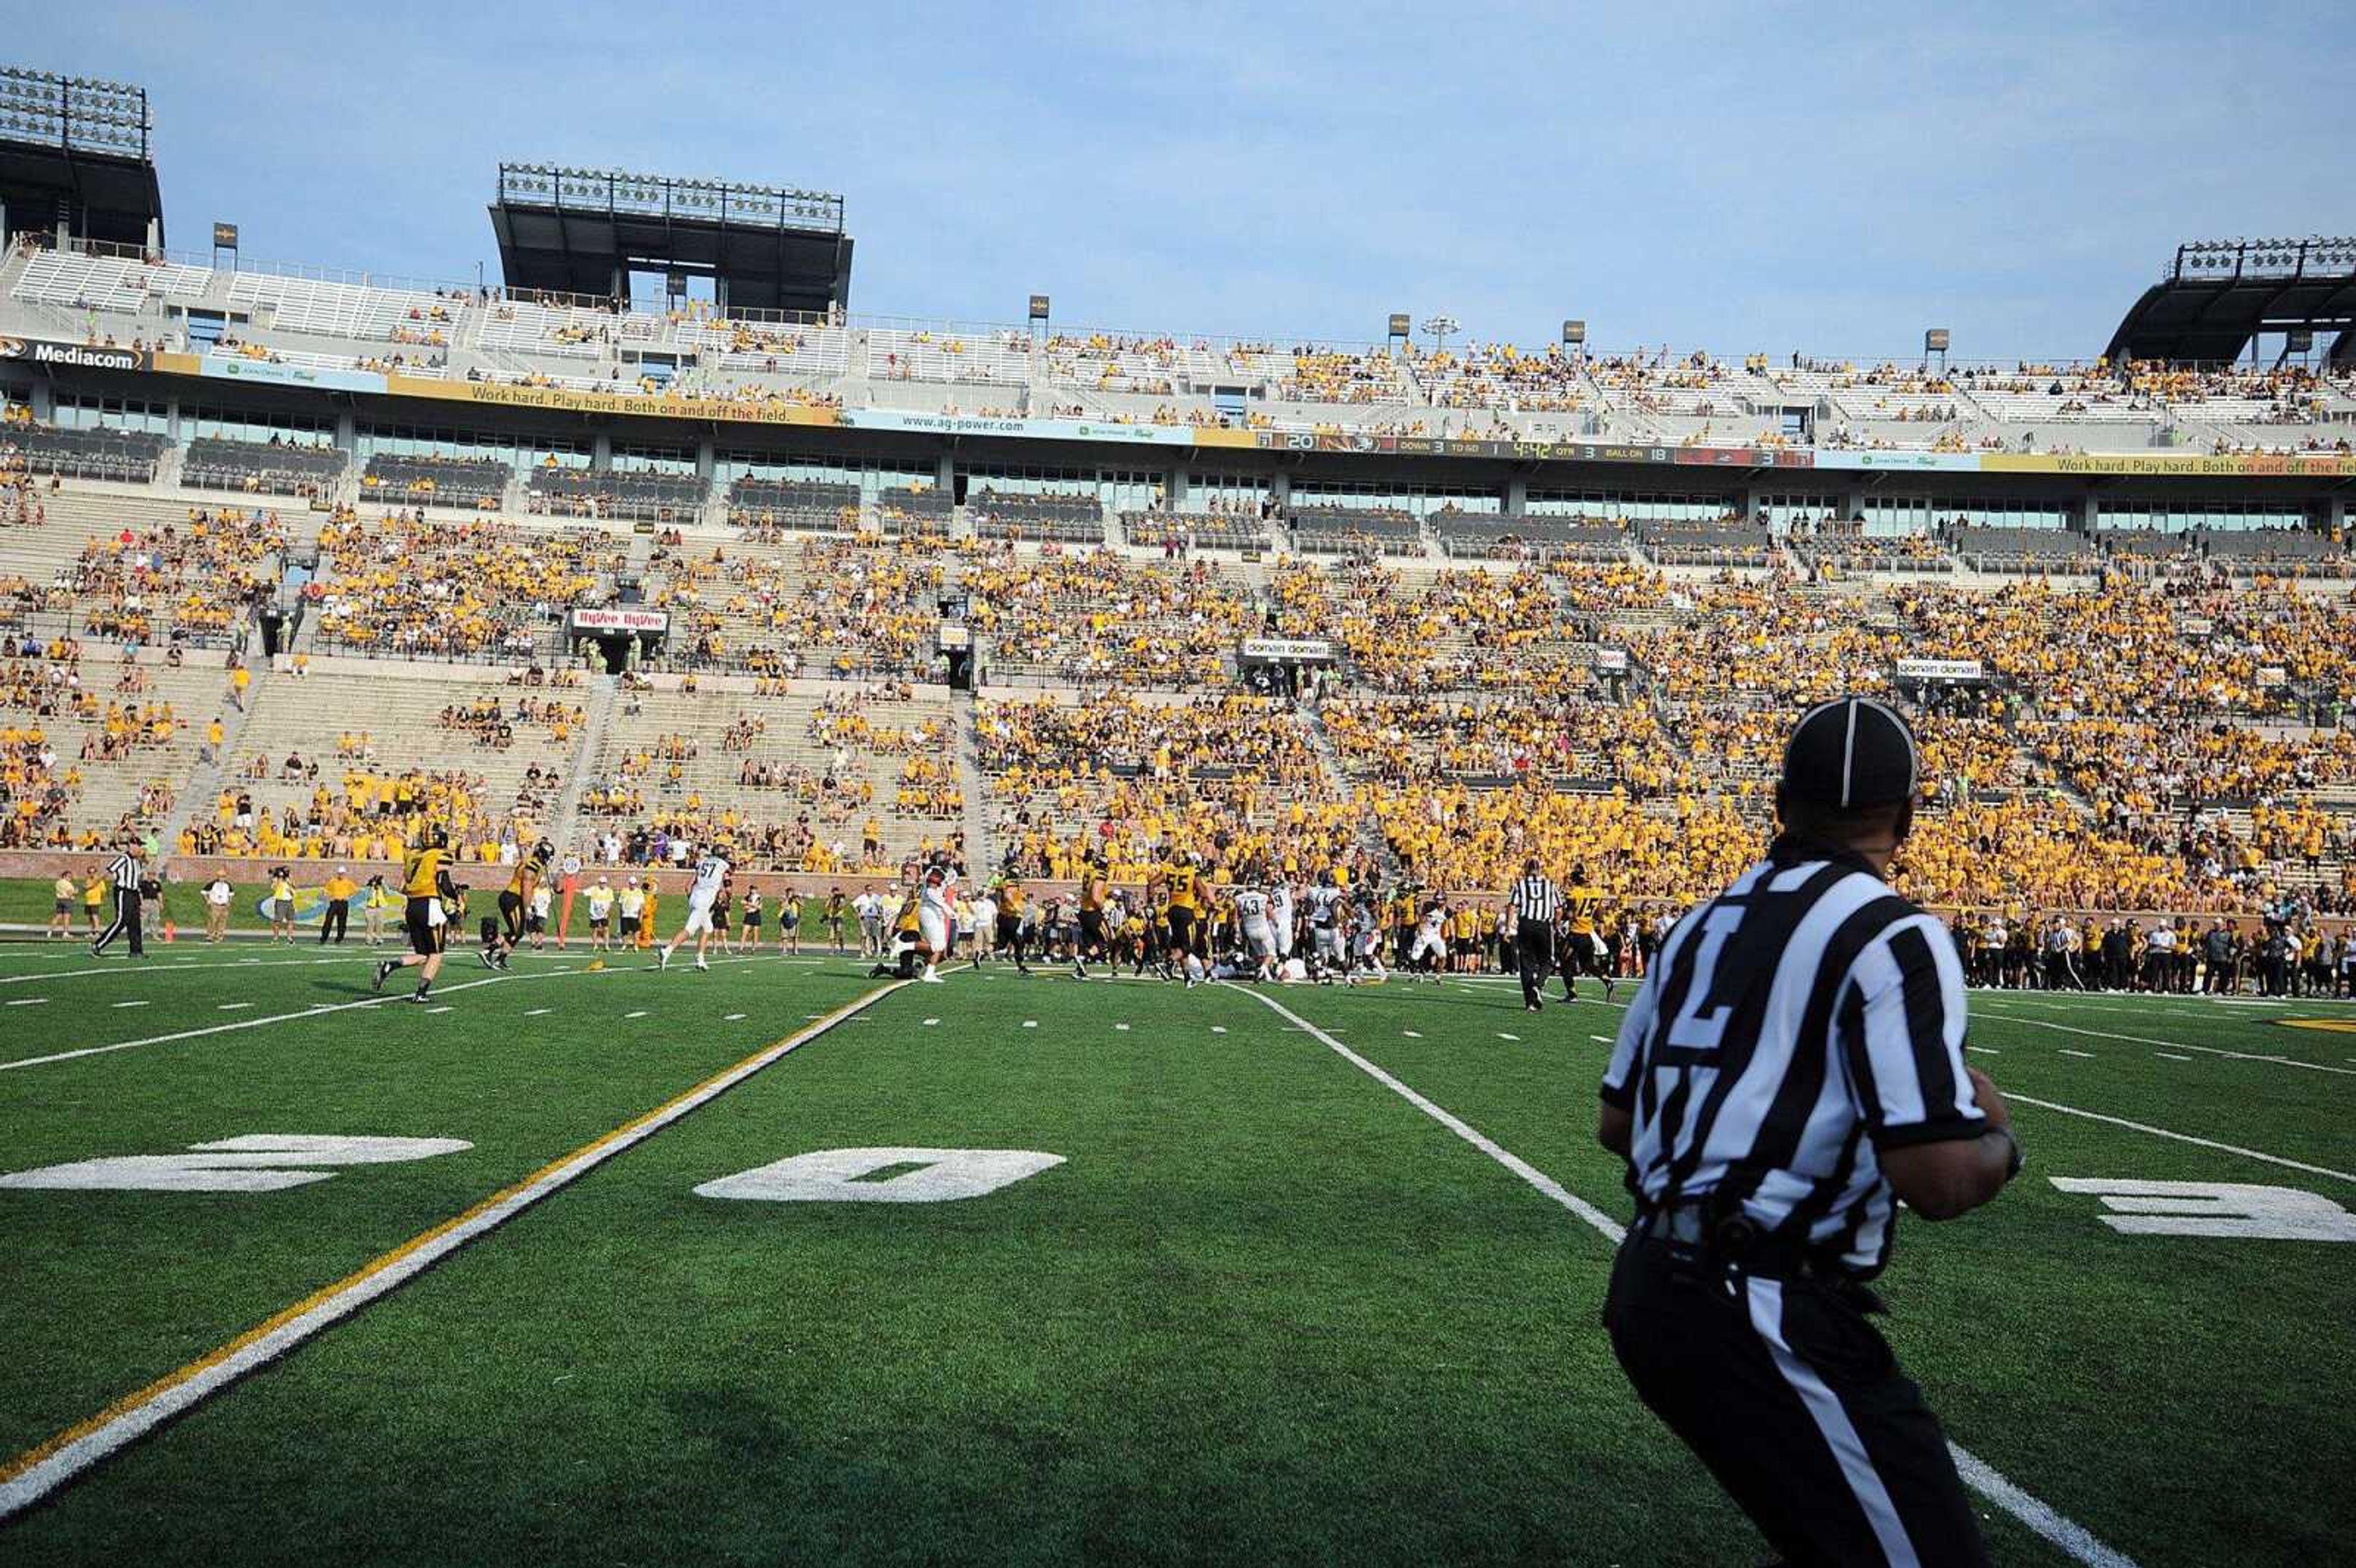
column 2330, row 1026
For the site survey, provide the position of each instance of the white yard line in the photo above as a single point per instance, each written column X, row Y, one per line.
column 2074, row 1539
column 2019, row 1099
column 32, row 1475
column 133, row 968
column 2171, row 1044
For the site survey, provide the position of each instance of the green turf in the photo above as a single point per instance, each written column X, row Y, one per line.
column 1266, row 1309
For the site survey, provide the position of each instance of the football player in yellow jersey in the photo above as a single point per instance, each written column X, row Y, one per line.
column 1180, row 882
column 1009, row 937
column 1582, row 950
column 530, row 868
column 433, row 901
column 1094, row 889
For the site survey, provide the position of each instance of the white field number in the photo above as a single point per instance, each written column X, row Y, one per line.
column 851, row 1176
column 258, row 1162
column 2215, row 1209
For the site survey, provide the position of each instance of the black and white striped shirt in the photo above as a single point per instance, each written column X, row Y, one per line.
column 124, row 873
column 1788, row 1030
column 1536, row 901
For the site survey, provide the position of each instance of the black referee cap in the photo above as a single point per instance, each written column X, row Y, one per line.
column 1852, row 754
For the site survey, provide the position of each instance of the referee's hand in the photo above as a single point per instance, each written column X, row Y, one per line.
column 1991, row 1101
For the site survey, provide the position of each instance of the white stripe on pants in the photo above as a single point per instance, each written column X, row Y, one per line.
column 1824, row 1406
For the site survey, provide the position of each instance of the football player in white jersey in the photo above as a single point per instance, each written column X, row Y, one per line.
column 1281, row 915
column 711, row 877
column 935, row 900
column 1430, row 939
column 1259, row 934
column 1324, row 925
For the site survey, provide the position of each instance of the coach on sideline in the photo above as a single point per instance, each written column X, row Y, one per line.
column 1792, row 1065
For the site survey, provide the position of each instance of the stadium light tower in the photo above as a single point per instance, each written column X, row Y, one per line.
column 1440, row 326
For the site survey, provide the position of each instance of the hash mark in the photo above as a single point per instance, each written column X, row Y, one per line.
column 235, row 1007
column 640, row 1014
column 2171, row 1056
column 733, row 1017
column 535, row 1012
column 130, row 1004
column 2087, row 1054
column 29, row 1001
column 1502, row 1035
column 1412, row 1034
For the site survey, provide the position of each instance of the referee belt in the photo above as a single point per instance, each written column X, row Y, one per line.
column 1699, row 1234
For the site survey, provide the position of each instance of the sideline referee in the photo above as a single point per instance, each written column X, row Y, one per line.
column 126, row 875
column 1536, row 902
column 1792, row 1061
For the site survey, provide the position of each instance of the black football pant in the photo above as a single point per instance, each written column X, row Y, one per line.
column 1797, row 1406
column 1535, row 947
column 126, row 923
column 339, row 915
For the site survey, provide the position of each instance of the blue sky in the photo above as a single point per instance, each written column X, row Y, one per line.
column 1742, row 177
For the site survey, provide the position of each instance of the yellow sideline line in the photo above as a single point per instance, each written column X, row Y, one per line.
column 38, row 1471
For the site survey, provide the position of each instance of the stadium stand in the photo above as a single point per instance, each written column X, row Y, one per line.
column 1067, row 517
column 272, row 467
column 421, row 480
column 757, row 503
column 97, row 453
column 643, row 495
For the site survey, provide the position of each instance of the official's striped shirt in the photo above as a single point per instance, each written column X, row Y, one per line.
column 1788, row 1030
column 124, row 873
column 1536, row 901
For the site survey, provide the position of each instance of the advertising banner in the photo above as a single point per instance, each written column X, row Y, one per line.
column 656, row 622
column 2208, row 466
column 566, row 401
column 1035, row 430
column 1913, row 462
column 1948, row 672
column 1288, row 650
column 73, row 356
column 237, row 368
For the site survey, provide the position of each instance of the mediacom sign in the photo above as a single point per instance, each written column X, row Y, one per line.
column 73, row 356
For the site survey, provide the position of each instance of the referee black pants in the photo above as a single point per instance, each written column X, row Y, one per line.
column 1797, row 1406
column 1535, row 946
column 126, row 921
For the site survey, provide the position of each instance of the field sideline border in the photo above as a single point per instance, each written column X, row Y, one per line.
column 2056, row 1529
column 36, row 1473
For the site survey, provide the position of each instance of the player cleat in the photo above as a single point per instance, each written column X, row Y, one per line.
column 662, row 959
column 702, row 968
column 420, row 997
column 930, row 978
column 490, row 962
column 383, row 971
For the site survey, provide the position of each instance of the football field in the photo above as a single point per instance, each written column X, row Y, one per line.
column 1109, row 1270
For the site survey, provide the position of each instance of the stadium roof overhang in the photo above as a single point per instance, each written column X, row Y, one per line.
column 105, row 198
column 583, row 232
column 2218, row 295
